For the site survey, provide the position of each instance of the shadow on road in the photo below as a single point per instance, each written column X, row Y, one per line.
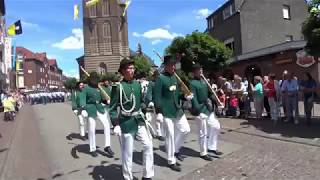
column 157, row 159
column 300, row 130
column 82, row 148
column 72, row 136
column 112, row 171
column 3, row 150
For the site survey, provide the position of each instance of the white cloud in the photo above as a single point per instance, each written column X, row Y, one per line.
column 202, row 13
column 30, row 25
column 157, row 34
column 157, row 41
column 52, row 56
column 75, row 41
column 72, row 73
column 167, row 26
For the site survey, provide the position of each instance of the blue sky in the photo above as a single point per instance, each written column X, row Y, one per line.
column 48, row 25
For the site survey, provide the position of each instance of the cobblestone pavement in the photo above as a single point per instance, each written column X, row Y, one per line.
column 262, row 158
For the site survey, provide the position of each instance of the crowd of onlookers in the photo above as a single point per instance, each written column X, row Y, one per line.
column 270, row 95
column 11, row 102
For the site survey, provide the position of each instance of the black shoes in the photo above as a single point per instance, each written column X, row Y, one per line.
column 160, row 138
column 216, row 152
column 146, row 178
column 94, row 154
column 175, row 167
column 109, row 151
column 83, row 138
column 206, row 157
column 179, row 156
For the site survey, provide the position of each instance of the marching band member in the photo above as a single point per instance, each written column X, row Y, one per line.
column 130, row 123
column 167, row 103
column 92, row 108
column 208, row 124
column 149, row 99
column 77, row 96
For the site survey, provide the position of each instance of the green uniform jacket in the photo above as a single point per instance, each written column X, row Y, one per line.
column 76, row 98
column 92, row 101
column 107, row 89
column 128, row 124
column 167, row 96
column 201, row 94
column 150, row 93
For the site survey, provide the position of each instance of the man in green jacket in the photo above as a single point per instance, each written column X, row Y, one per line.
column 130, row 122
column 150, row 114
column 93, row 109
column 76, row 97
column 167, row 103
column 208, row 124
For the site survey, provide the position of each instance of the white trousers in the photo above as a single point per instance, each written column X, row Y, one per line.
column 81, row 123
column 151, row 117
column 208, row 127
column 176, row 131
column 127, row 153
column 105, row 120
column 273, row 108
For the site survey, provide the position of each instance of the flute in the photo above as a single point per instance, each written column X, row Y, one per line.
column 184, row 87
column 104, row 93
column 212, row 91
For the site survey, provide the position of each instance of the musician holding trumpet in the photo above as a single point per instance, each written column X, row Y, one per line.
column 169, row 90
column 208, row 124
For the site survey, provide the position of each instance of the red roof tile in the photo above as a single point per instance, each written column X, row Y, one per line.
column 52, row 62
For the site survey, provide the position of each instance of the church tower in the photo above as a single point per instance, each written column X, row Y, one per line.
column 105, row 35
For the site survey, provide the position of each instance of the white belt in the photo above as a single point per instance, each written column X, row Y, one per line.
column 136, row 113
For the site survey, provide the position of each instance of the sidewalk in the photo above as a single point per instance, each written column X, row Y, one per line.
column 301, row 133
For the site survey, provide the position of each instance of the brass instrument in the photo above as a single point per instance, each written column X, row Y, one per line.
column 184, row 87
column 104, row 93
column 212, row 90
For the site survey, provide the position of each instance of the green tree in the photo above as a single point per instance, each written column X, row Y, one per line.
column 142, row 65
column 311, row 28
column 70, row 83
column 201, row 48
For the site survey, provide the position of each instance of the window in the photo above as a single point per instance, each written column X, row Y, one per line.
column 102, row 69
column 228, row 11
column 229, row 43
column 210, row 23
column 106, row 34
column 93, row 11
column 105, row 8
column 286, row 12
column 289, row 38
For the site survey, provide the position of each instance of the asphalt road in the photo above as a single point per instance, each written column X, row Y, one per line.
column 42, row 149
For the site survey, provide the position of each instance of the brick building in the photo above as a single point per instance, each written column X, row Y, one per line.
column 105, row 36
column 39, row 72
column 264, row 35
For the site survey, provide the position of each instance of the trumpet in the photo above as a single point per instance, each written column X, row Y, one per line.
column 184, row 88
column 104, row 93
column 212, row 91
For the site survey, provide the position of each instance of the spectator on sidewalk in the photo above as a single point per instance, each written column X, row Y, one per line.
column 308, row 86
column 290, row 88
column 272, row 98
column 283, row 97
column 258, row 96
column 265, row 97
